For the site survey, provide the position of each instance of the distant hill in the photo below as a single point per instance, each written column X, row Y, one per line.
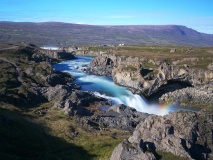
column 66, row 34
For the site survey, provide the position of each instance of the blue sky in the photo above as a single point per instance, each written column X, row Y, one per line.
column 196, row 14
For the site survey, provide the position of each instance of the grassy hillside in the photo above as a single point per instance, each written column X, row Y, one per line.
column 66, row 34
column 26, row 135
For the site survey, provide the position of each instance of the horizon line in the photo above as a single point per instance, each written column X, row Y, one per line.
column 107, row 25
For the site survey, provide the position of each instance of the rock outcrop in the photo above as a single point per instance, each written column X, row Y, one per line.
column 149, row 77
column 185, row 134
column 130, row 151
column 210, row 66
column 129, row 76
column 170, row 73
column 87, row 107
column 102, row 65
column 124, row 71
column 58, row 54
column 72, row 101
column 198, row 95
column 119, row 117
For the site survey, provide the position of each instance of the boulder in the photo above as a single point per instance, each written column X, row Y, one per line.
column 57, row 77
column 120, row 117
column 102, row 65
column 57, row 93
column 185, row 134
column 210, row 66
column 128, row 75
column 173, row 50
column 129, row 151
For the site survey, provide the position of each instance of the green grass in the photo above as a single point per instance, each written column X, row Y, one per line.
column 18, row 73
column 23, row 139
column 152, row 73
column 148, row 65
column 202, row 63
column 100, row 48
column 130, row 67
column 134, row 78
column 95, row 142
column 8, row 76
column 204, row 54
column 167, row 156
column 25, row 135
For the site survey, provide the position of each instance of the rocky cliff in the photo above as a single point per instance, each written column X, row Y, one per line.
column 185, row 134
column 60, row 54
column 124, row 71
column 103, row 65
column 153, row 78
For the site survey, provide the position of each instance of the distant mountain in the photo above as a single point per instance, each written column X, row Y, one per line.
column 66, row 34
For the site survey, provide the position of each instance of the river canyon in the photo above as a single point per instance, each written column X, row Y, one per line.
column 104, row 86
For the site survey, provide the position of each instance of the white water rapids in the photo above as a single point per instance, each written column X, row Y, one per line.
column 104, row 87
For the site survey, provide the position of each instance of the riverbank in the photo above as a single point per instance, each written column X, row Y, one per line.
column 46, row 113
column 51, row 118
column 169, row 80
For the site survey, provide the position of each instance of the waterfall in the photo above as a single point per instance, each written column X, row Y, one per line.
column 104, row 87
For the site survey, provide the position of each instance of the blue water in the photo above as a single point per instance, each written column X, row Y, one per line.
column 104, row 87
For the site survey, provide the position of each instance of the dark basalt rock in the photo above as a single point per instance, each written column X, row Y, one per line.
column 59, row 78
column 58, row 54
column 118, row 116
column 185, row 134
column 126, row 150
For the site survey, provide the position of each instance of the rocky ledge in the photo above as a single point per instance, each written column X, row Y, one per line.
column 153, row 78
column 185, row 134
column 91, row 110
column 190, row 96
column 102, row 65
column 117, row 116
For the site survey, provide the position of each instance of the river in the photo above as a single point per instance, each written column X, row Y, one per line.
column 104, row 87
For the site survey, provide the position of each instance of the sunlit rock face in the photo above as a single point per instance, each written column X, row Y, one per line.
column 181, row 133
column 160, row 81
